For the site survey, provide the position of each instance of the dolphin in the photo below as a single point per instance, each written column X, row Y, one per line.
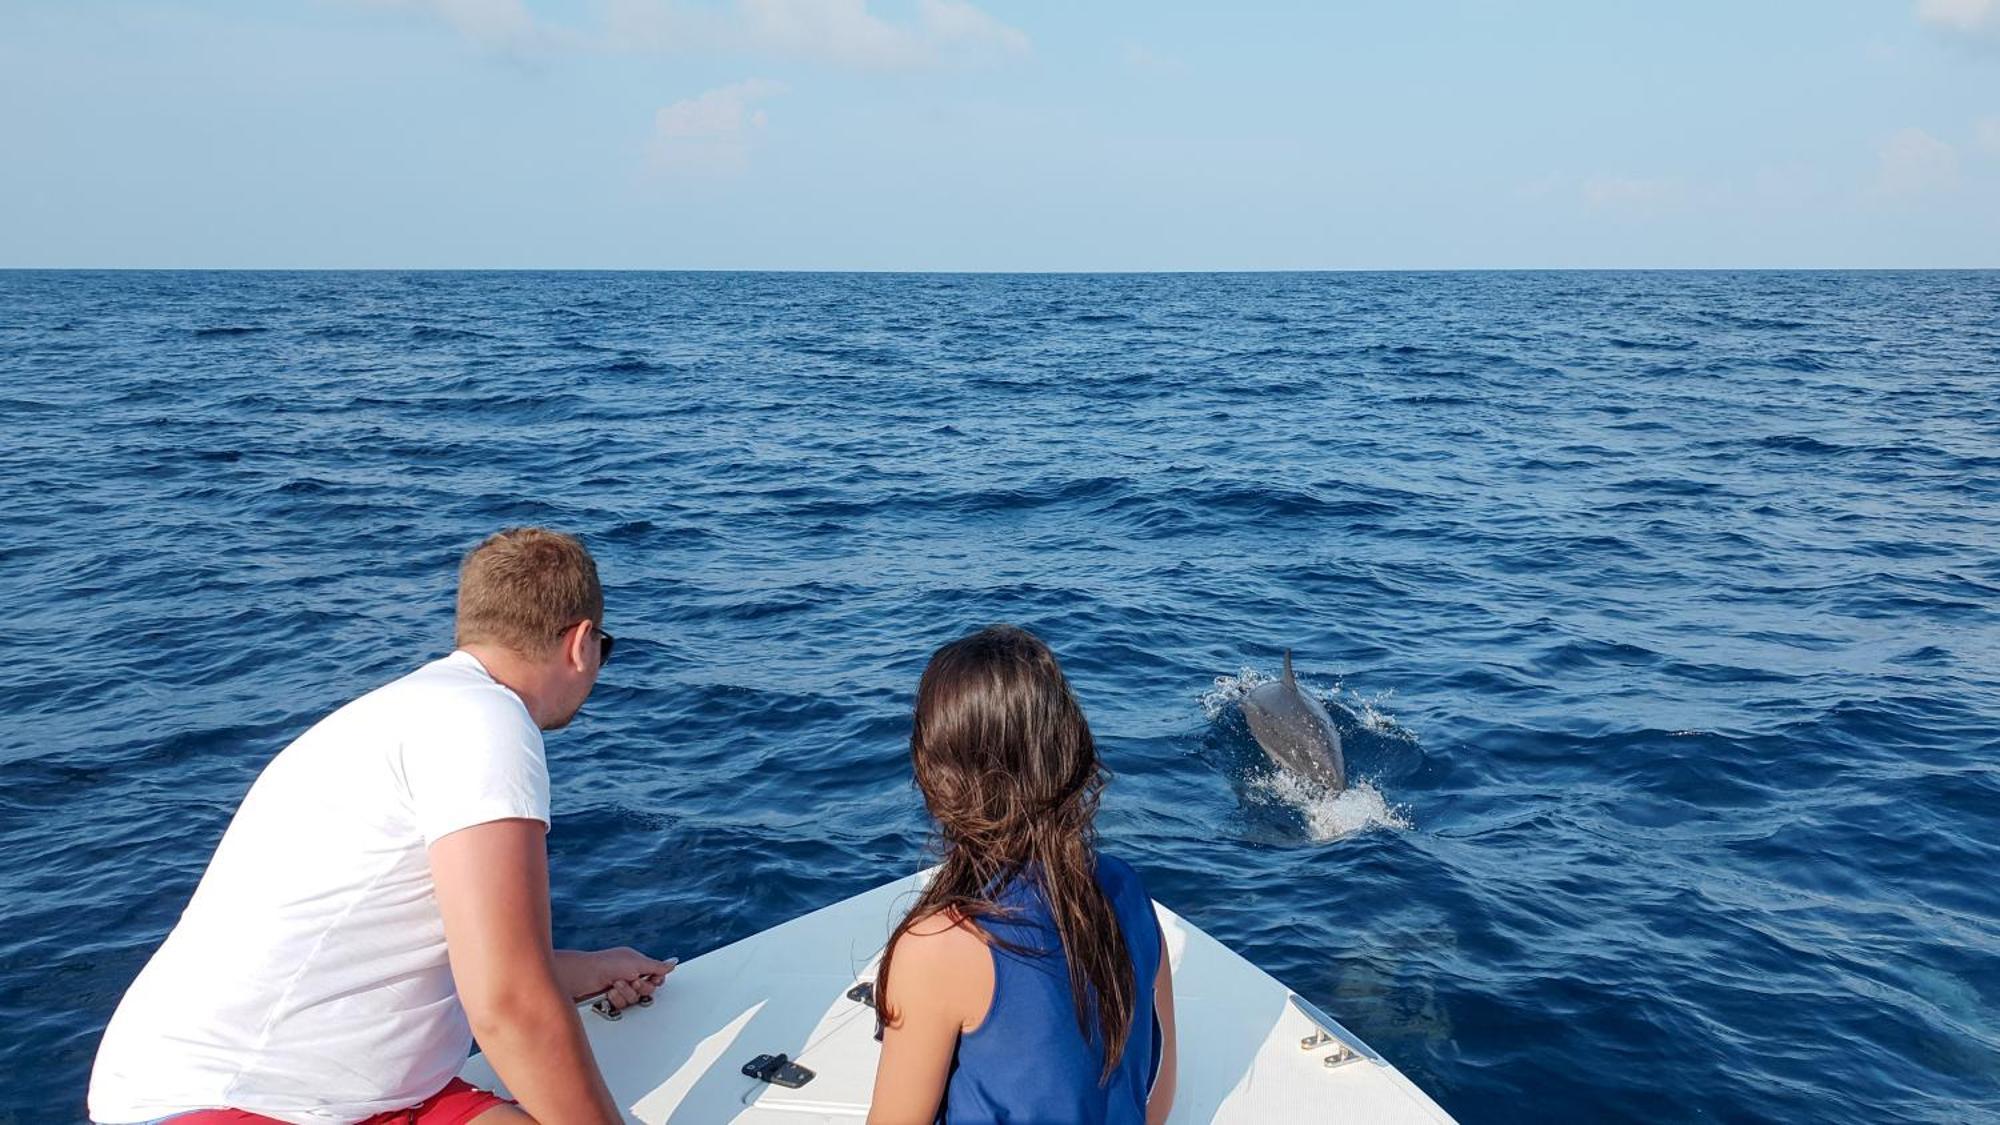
column 1294, row 731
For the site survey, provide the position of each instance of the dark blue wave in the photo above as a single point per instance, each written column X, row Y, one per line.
column 1664, row 606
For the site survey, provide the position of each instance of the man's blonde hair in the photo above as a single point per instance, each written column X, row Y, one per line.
column 523, row 586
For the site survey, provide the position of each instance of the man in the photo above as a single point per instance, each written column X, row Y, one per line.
column 381, row 897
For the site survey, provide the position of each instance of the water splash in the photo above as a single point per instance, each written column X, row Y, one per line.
column 1230, row 690
column 1368, row 712
column 1328, row 815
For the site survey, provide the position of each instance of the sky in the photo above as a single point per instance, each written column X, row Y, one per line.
column 947, row 135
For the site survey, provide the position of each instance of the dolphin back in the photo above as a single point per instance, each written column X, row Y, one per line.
column 1294, row 731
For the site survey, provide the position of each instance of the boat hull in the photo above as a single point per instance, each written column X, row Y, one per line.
column 785, row 989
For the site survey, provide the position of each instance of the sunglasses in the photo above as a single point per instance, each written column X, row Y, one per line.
column 605, row 641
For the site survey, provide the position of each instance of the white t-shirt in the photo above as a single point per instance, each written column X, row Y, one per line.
column 307, row 978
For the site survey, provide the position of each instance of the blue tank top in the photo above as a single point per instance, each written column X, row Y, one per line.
column 1027, row 1062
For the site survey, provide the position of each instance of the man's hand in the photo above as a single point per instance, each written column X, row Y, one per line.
column 623, row 975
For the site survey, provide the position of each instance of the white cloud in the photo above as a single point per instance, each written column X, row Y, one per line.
column 659, row 27
column 494, row 21
column 1969, row 16
column 842, row 33
column 711, row 134
column 846, row 33
column 1914, row 163
column 956, row 23
column 495, row 24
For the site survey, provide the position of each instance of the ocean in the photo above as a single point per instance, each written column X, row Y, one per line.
column 1661, row 612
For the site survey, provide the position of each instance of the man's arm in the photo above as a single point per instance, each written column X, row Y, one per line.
column 493, row 890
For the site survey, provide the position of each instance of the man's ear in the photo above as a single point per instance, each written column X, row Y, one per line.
column 573, row 642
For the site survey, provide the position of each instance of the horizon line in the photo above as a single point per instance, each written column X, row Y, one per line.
column 999, row 272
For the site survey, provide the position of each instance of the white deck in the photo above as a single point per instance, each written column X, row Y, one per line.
column 785, row 990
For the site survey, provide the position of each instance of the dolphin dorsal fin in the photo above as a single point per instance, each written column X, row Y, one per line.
column 1288, row 669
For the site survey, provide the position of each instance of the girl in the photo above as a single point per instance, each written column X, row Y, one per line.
column 1029, row 982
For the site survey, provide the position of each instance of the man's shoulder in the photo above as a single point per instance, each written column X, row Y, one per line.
column 441, row 710
column 454, row 689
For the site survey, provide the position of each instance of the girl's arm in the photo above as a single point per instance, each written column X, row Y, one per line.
column 940, row 986
column 1161, row 1101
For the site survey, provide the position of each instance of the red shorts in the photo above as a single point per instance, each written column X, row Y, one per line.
column 459, row 1102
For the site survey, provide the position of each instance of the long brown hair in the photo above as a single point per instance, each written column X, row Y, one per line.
column 1009, row 771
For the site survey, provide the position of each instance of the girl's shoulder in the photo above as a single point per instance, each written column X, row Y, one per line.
column 1119, row 878
column 941, row 945
column 941, row 933
column 1110, row 867
column 942, row 961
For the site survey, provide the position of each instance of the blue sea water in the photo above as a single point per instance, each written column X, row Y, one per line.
column 1662, row 611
